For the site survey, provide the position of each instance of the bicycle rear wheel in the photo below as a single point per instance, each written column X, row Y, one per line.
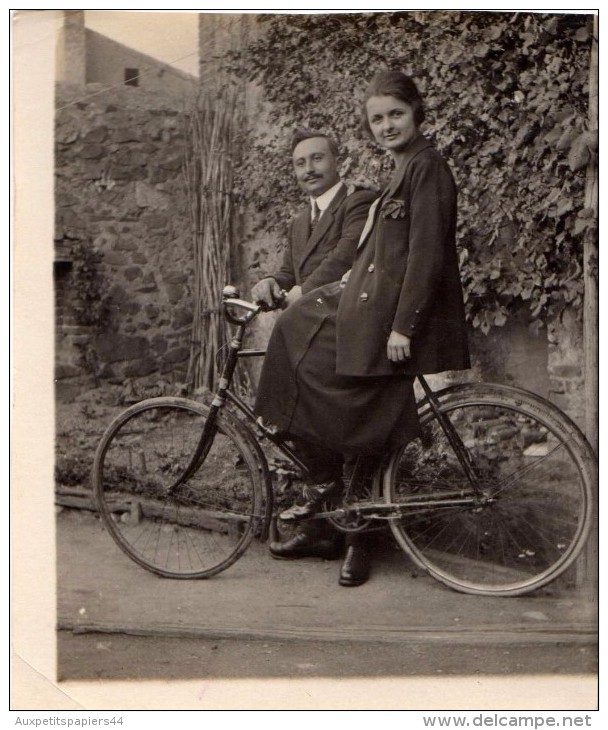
column 536, row 471
column 195, row 529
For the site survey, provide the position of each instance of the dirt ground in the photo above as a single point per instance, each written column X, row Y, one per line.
column 112, row 656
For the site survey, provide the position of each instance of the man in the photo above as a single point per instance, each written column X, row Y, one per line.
column 323, row 236
column 321, row 246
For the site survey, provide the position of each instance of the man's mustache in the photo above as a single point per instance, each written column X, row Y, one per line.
column 312, row 177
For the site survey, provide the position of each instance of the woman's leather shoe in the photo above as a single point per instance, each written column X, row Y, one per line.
column 305, row 546
column 356, row 566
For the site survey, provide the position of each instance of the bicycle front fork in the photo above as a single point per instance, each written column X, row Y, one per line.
column 219, row 400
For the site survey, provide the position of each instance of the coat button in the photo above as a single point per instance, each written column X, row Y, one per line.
column 363, row 297
column 371, row 268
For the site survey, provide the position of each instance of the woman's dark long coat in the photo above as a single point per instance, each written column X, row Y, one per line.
column 405, row 276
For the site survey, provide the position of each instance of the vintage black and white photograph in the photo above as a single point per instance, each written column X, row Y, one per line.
column 325, row 370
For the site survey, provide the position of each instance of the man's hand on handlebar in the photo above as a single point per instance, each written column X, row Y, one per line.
column 268, row 293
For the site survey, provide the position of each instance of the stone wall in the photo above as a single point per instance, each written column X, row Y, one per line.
column 119, row 190
column 565, row 364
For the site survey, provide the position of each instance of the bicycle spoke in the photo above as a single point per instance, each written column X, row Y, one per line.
column 192, row 530
column 525, row 524
column 510, row 478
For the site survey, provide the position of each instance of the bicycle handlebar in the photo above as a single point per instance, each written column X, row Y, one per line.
column 231, row 298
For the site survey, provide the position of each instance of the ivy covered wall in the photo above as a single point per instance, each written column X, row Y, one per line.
column 507, row 104
column 506, row 98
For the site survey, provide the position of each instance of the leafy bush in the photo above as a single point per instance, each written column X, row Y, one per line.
column 507, row 104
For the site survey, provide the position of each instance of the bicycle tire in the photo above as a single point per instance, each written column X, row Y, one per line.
column 202, row 526
column 536, row 466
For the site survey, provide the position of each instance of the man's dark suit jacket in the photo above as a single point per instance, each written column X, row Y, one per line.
column 405, row 276
column 309, row 260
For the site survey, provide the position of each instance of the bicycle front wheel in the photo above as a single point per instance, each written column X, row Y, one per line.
column 536, row 473
column 193, row 529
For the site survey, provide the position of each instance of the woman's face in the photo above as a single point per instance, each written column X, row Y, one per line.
column 391, row 121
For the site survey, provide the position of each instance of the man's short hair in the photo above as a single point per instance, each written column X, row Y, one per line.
column 301, row 134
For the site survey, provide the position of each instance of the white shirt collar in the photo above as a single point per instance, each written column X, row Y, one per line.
column 324, row 201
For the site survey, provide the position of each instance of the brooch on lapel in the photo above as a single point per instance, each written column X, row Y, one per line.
column 392, row 208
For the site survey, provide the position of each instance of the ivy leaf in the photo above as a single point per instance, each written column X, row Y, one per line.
column 565, row 141
column 586, row 213
column 551, row 26
column 553, row 135
column 494, row 32
column 481, row 50
column 500, row 319
column 581, row 224
column 579, row 154
column 564, row 206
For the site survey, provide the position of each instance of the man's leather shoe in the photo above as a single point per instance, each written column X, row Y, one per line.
column 315, row 495
column 356, row 566
column 304, row 546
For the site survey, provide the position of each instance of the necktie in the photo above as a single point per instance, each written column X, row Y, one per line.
column 315, row 216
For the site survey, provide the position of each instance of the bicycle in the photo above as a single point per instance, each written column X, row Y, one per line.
column 494, row 499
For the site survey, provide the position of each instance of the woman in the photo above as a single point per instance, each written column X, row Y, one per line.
column 341, row 362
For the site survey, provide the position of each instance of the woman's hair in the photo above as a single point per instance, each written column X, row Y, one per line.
column 397, row 84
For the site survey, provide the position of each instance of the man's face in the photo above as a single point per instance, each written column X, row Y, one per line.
column 315, row 166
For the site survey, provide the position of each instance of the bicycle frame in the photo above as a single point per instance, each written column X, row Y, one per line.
column 223, row 393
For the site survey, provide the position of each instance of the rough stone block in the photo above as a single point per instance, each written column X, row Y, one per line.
column 107, row 371
column 140, row 368
column 148, row 197
column 128, row 172
column 105, row 240
column 159, row 344
column 124, row 243
column 566, row 371
column 158, row 175
column 114, row 347
column 176, row 277
column 147, row 287
column 151, row 311
column 98, row 134
column 92, row 151
column 130, row 308
column 118, row 294
column 64, row 200
column 92, row 170
column 113, row 258
column 175, row 292
column 131, row 158
column 132, row 272
column 67, row 370
column 178, row 354
column 126, row 135
column 139, row 258
column 182, row 318
column 155, row 220
column 173, row 163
